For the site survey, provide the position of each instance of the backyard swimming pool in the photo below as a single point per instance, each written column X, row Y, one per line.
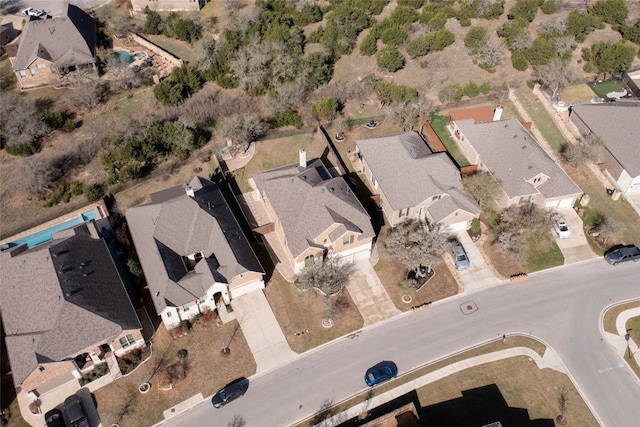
column 123, row 57
column 43, row 236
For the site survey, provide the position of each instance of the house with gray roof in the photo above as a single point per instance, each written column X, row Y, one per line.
column 314, row 215
column 57, row 51
column 618, row 124
column 193, row 252
column 66, row 306
column 413, row 182
column 524, row 171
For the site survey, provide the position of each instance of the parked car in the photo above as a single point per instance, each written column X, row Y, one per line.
column 54, row 418
column 34, row 12
column 227, row 394
column 561, row 227
column 74, row 412
column 623, row 254
column 459, row 255
column 383, row 371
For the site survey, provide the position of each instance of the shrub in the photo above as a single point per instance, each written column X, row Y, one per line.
column 519, row 60
column 369, row 45
column 325, row 110
column 388, row 92
column 475, row 226
column 610, row 11
column 92, row 192
column 524, row 9
column 442, row 39
column 286, row 118
column 394, row 35
column 390, row 59
column 153, row 23
column 419, row 46
column 549, row 7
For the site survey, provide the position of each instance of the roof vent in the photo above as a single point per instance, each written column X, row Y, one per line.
column 331, row 189
column 190, row 191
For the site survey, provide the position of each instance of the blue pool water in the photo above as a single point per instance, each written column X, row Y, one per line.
column 123, row 57
column 35, row 239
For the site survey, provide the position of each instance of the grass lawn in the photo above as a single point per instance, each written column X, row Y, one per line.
column 541, row 118
column 439, row 125
column 632, row 326
column 577, row 93
column 182, row 50
column 520, row 382
column 203, row 346
column 543, row 253
column 602, row 89
column 300, row 314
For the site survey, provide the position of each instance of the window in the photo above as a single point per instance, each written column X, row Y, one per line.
column 41, row 65
column 127, row 341
column 23, row 74
column 202, row 299
column 346, row 240
column 33, row 72
column 525, row 199
column 169, row 314
column 185, row 307
column 404, row 212
column 309, row 261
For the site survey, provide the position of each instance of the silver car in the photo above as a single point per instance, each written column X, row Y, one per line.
column 459, row 255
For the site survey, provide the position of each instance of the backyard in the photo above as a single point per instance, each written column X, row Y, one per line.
column 603, row 88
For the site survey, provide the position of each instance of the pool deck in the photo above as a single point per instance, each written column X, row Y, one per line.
column 99, row 208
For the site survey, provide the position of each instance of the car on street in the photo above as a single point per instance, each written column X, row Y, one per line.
column 459, row 255
column 229, row 393
column 561, row 227
column 381, row 372
column 623, row 254
column 74, row 412
column 36, row 13
column 54, row 418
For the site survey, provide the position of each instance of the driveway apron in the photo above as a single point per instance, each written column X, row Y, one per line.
column 369, row 295
column 478, row 275
column 575, row 248
column 262, row 331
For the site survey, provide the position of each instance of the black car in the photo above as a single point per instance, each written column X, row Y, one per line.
column 623, row 254
column 74, row 413
column 54, row 418
column 227, row 394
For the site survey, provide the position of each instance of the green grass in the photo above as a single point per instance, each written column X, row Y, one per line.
column 543, row 253
column 633, row 327
column 439, row 124
column 541, row 118
column 602, row 89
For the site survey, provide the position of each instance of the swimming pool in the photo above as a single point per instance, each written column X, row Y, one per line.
column 43, row 236
column 123, row 57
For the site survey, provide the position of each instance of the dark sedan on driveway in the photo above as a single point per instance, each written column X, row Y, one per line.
column 383, row 371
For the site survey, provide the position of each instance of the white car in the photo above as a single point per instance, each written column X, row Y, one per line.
column 561, row 227
column 33, row 12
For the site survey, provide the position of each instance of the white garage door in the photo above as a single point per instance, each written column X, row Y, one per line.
column 566, row 203
column 551, row 205
column 457, row 226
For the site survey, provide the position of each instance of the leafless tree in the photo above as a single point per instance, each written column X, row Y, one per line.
column 481, row 186
column 555, row 26
column 239, row 131
column 85, row 98
column 329, row 276
column 415, row 245
column 564, row 44
column 522, row 41
column 40, row 174
column 290, row 94
column 491, row 53
column 20, row 121
column 608, row 230
column 250, row 65
column 556, row 75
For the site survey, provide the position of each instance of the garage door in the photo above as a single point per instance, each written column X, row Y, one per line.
column 458, row 226
column 566, row 203
column 551, row 205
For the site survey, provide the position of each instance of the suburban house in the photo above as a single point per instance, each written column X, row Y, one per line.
column 524, row 171
column 413, row 182
column 618, row 124
column 56, row 51
column 66, row 306
column 314, row 215
column 193, row 252
column 166, row 5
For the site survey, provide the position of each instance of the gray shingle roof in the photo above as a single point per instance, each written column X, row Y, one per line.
column 175, row 225
column 66, row 40
column 409, row 173
column 308, row 201
column 60, row 298
column 514, row 157
column 619, row 125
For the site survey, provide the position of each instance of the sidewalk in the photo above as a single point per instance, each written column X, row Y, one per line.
column 618, row 342
column 549, row 360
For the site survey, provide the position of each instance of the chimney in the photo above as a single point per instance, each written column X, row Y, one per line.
column 303, row 158
column 190, row 191
column 497, row 113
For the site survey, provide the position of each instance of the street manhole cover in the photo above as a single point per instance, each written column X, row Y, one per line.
column 468, row 307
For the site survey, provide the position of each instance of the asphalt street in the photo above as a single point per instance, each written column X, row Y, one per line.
column 563, row 308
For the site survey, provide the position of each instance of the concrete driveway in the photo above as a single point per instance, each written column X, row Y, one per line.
column 575, row 248
column 369, row 295
column 478, row 275
column 262, row 331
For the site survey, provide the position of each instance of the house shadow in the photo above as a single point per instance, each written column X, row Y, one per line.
column 477, row 407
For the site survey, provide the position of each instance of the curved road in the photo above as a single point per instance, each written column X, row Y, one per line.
column 562, row 307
